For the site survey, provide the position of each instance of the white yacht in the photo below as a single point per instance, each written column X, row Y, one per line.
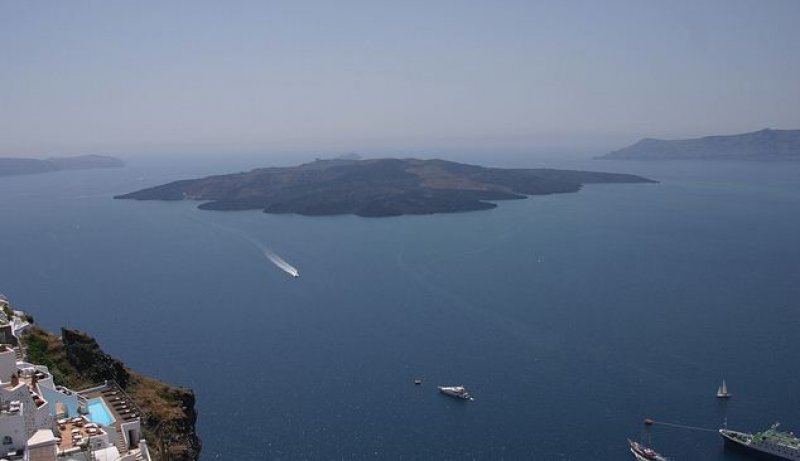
column 460, row 392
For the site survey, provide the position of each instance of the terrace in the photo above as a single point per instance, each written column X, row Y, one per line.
column 73, row 432
column 27, row 375
column 11, row 408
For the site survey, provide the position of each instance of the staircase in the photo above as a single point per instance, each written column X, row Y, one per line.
column 122, row 447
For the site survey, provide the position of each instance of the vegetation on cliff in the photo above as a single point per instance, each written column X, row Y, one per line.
column 76, row 361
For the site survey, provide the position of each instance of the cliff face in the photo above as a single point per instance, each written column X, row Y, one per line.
column 83, row 353
column 170, row 418
column 77, row 361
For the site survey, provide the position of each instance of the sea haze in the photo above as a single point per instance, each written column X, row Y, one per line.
column 570, row 317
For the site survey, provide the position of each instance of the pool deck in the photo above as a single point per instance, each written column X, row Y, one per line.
column 120, row 406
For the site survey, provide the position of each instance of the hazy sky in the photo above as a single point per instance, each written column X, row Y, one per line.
column 137, row 76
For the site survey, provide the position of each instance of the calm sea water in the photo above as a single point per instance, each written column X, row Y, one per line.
column 571, row 317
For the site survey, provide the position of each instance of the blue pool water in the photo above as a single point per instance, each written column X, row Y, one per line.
column 98, row 412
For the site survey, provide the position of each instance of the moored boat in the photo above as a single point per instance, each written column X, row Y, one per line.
column 460, row 392
column 643, row 453
column 770, row 444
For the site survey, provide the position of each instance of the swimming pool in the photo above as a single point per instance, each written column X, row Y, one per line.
column 99, row 412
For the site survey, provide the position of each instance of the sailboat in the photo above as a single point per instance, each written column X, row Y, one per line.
column 722, row 392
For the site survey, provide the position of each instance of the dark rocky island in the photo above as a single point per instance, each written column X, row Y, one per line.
column 759, row 145
column 15, row 166
column 374, row 188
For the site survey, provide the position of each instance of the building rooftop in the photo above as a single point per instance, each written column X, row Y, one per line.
column 29, row 376
column 42, row 437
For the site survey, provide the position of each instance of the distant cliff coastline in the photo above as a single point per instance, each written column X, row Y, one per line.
column 759, row 145
column 16, row 166
column 375, row 187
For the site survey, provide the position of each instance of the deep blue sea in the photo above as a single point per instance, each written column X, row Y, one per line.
column 570, row 317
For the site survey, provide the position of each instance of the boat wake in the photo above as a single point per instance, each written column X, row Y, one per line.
column 273, row 257
column 281, row 263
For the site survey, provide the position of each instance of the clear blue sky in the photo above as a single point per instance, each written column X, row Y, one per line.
column 138, row 76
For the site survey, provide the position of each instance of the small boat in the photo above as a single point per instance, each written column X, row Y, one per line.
column 722, row 392
column 460, row 392
column 418, row 381
column 643, row 453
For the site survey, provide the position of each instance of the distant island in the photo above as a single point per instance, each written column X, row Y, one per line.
column 14, row 166
column 374, row 187
column 766, row 144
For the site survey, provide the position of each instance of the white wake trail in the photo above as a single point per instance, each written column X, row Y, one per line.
column 281, row 263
